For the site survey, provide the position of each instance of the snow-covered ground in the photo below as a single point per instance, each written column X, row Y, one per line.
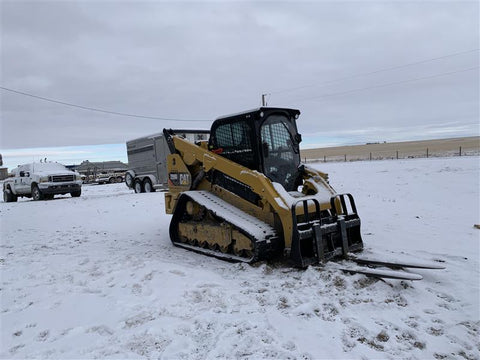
column 97, row 277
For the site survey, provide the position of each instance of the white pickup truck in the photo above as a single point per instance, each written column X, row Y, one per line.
column 41, row 181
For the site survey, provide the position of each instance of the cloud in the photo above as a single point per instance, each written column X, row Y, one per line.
column 194, row 60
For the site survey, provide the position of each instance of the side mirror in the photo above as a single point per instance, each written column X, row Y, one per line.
column 265, row 149
column 298, row 138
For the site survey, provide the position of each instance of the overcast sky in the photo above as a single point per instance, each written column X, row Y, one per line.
column 200, row 60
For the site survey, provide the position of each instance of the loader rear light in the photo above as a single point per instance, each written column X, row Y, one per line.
column 217, row 151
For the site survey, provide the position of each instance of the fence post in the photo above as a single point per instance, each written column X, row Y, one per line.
column 345, row 157
column 427, row 153
column 370, row 156
column 324, row 158
column 305, row 159
column 397, row 154
column 460, row 152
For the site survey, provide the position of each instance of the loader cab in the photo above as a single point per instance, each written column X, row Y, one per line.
column 265, row 139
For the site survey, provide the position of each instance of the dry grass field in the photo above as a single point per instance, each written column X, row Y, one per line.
column 401, row 150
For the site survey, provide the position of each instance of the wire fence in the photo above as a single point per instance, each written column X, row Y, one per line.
column 385, row 155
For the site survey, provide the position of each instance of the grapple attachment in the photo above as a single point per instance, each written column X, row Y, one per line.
column 319, row 237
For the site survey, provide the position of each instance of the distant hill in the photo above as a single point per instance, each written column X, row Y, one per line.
column 406, row 149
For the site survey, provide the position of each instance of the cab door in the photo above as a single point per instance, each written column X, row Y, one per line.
column 280, row 151
column 22, row 185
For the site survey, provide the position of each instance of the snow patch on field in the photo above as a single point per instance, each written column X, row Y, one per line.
column 97, row 276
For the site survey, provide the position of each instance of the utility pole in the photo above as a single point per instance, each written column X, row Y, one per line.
column 264, row 101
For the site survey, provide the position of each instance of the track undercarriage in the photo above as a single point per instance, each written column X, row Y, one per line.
column 205, row 223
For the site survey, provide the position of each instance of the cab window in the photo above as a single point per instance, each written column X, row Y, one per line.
column 234, row 140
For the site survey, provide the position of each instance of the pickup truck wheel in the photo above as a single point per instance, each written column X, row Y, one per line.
column 76, row 193
column 147, row 185
column 112, row 180
column 8, row 196
column 36, row 193
column 119, row 179
column 138, row 186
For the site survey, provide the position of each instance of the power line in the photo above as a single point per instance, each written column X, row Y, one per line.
column 388, row 84
column 98, row 110
column 301, row 99
column 374, row 72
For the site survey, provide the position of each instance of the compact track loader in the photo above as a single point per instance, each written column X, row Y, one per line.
column 244, row 195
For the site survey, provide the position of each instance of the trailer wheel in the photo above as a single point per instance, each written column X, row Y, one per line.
column 138, row 186
column 119, row 179
column 112, row 180
column 147, row 185
column 129, row 180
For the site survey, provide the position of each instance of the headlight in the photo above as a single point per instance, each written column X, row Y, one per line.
column 44, row 179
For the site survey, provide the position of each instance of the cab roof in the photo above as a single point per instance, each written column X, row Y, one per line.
column 258, row 113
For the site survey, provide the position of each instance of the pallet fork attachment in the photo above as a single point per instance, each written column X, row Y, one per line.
column 317, row 239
